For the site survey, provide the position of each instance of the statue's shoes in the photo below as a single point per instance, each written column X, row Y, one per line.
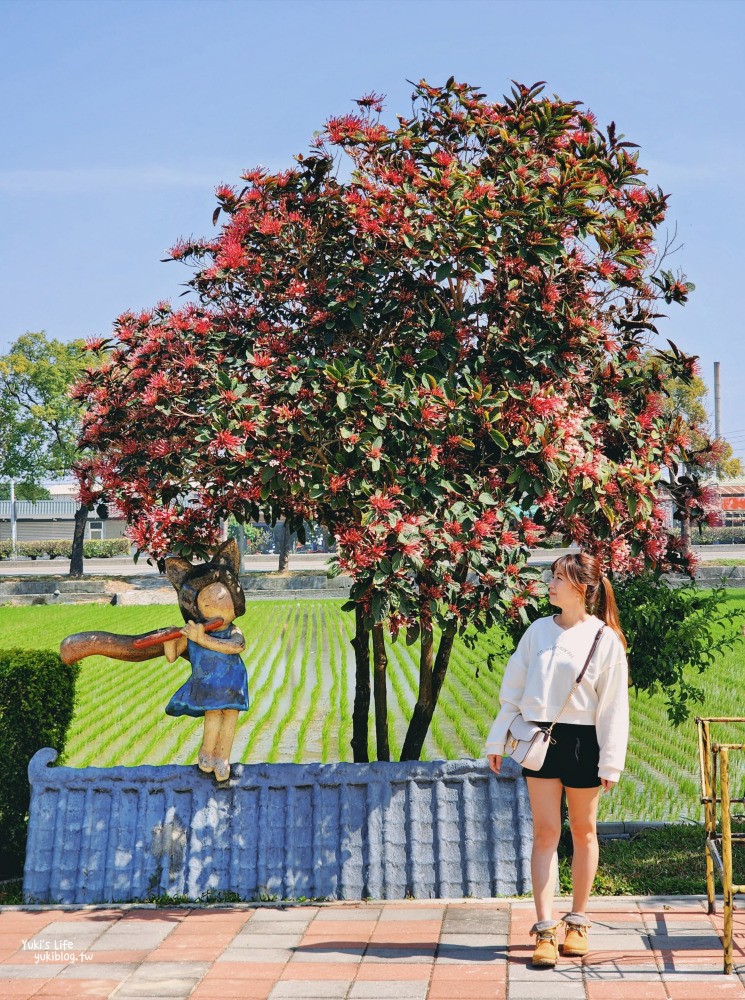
column 206, row 762
column 221, row 769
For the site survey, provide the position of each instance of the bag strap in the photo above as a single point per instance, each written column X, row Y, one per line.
column 582, row 672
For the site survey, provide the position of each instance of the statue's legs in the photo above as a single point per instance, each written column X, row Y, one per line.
column 207, row 751
column 224, row 742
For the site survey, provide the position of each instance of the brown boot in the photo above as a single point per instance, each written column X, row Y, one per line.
column 575, row 941
column 546, row 952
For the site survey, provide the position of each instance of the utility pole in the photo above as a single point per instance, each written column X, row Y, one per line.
column 717, row 401
column 13, row 525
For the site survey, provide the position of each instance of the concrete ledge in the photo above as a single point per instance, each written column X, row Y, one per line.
column 340, row 831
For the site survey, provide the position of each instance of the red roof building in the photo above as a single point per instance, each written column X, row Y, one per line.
column 732, row 493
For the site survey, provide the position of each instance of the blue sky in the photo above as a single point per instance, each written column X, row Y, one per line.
column 120, row 117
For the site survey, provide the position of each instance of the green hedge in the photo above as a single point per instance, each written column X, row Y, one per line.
column 106, row 548
column 37, row 697
column 54, row 547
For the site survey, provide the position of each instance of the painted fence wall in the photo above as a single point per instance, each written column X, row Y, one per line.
column 345, row 831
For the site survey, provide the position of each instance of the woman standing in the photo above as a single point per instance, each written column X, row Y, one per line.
column 587, row 750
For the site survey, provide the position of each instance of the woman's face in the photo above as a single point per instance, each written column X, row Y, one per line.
column 561, row 591
column 215, row 602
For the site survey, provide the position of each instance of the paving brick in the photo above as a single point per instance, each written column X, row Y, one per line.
column 113, row 970
column 224, row 990
column 75, row 988
column 471, row 990
column 385, row 989
column 556, row 991
column 266, row 942
column 164, row 970
column 346, row 913
column 479, row 942
column 174, row 989
column 367, row 971
column 293, row 914
column 495, row 924
column 378, row 953
column 262, row 927
column 327, row 989
column 413, row 913
column 318, row 970
column 466, row 953
column 561, row 973
column 492, row 972
column 263, row 955
column 18, row 989
column 46, row 971
column 728, row 986
column 619, row 944
column 349, row 956
column 627, row 991
column 225, row 967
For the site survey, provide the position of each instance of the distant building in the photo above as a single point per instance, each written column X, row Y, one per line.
column 51, row 519
column 732, row 494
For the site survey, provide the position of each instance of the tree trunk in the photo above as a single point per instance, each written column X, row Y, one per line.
column 284, row 547
column 361, row 712
column 380, row 661
column 431, row 680
column 76, row 561
column 685, row 533
column 241, row 547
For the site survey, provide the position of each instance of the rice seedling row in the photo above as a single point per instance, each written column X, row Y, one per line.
column 335, row 700
column 258, row 724
column 298, row 691
column 319, row 644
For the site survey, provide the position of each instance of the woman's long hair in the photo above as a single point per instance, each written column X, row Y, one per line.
column 582, row 569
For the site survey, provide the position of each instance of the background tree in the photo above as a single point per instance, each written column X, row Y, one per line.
column 25, row 491
column 695, row 499
column 42, row 422
column 438, row 360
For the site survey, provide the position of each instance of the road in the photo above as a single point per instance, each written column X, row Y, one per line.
column 268, row 563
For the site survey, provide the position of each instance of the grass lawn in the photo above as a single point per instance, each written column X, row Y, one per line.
column 301, row 686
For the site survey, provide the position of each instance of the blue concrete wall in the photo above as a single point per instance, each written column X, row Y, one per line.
column 346, row 831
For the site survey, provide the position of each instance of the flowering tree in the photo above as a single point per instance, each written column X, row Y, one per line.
column 439, row 360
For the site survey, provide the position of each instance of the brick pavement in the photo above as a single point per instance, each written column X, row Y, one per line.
column 643, row 949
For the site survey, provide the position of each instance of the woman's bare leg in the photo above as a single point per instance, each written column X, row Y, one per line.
column 582, row 804
column 545, row 804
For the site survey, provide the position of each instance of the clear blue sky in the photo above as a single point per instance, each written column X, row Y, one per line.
column 119, row 118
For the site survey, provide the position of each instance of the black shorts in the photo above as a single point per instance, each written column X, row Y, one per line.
column 573, row 756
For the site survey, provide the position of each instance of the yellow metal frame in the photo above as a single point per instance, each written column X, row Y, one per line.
column 719, row 841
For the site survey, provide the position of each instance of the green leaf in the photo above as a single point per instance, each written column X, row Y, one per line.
column 498, row 438
column 341, row 400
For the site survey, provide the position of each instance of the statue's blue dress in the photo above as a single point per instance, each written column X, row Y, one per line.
column 218, row 680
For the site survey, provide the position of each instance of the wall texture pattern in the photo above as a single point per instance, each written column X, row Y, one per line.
column 344, row 831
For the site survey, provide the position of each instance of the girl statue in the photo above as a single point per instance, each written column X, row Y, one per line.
column 210, row 598
column 218, row 686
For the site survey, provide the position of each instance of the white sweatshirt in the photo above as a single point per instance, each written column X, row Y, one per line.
column 540, row 673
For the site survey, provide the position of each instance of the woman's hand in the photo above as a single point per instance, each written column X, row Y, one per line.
column 607, row 784
column 495, row 762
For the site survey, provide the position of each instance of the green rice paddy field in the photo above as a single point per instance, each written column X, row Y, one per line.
column 301, row 687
